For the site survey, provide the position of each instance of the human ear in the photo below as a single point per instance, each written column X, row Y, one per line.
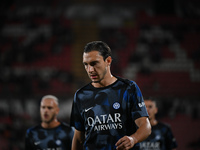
column 109, row 60
column 156, row 110
column 57, row 110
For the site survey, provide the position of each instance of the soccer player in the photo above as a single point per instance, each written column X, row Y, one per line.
column 161, row 137
column 50, row 134
column 108, row 113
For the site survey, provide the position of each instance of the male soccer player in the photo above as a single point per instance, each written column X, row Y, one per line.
column 108, row 113
column 161, row 137
column 50, row 134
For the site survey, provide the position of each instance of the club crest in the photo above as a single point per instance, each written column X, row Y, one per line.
column 116, row 105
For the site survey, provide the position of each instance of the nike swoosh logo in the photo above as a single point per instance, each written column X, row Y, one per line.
column 86, row 110
column 36, row 143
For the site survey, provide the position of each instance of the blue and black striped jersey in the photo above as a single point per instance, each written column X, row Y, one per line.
column 107, row 114
column 161, row 138
column 58, row 138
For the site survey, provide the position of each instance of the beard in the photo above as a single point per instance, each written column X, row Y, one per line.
column 50, row 120
column 101, row 78
column 97, row 81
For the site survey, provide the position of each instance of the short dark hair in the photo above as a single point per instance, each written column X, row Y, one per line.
column 99, row 46
column 150, row 98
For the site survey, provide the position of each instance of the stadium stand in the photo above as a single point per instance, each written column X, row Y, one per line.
column 41, row 43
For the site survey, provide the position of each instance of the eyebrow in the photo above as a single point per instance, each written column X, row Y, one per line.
column 46, row 106
column 92, row 62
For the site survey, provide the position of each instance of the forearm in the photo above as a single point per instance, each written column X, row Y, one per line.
column 141, row 134
column 76, row 145
column 78, row 140
column 143, row 131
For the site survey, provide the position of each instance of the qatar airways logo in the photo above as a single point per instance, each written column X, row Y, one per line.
column 59, row 148
column 150, row 145
column 105, row 122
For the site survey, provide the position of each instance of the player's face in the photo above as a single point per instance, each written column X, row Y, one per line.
column 95, row 66
column 48, row 110
column 151, row 108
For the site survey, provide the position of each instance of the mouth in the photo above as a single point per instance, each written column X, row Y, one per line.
column 46, row 116
column 93, row 76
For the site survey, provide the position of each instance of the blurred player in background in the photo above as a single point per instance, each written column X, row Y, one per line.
column 50, row 134
column 108, row 113
column 161, row 137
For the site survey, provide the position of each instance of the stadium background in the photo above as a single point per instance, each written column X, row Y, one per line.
column 154, row 42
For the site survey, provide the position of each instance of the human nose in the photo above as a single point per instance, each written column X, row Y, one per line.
column 45, row 109
column 90, row 68
column 147, row 109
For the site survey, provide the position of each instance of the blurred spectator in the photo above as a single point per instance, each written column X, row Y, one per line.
column 51, row 133
column 161, row 136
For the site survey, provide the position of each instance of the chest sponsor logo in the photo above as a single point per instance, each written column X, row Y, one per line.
column 150, row 145
column 105, row 122
column 57, row 148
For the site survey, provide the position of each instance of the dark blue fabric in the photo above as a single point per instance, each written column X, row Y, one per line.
column 107, row 114
column 59, row 138
column 161, row 138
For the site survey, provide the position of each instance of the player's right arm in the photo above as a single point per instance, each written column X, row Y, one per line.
column 78, row 140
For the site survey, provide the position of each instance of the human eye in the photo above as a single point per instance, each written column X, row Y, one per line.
column 85, row 64
column 93, row 63
column 50, row 108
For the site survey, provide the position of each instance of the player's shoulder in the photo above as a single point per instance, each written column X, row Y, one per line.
column 85, row 87
column 66, row 126
column 33, row 128
column 126, row 81
column 164, row 125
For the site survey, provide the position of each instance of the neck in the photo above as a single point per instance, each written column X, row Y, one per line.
column 105, row 82
column 153, row 122
column 51, row 124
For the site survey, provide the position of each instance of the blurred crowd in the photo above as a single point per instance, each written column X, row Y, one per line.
column 36, row 46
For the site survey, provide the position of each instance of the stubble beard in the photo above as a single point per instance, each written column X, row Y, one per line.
column 103, row 75
column 50, row 120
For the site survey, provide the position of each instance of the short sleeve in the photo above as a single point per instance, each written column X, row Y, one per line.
column 138, row 109
column 76, row 119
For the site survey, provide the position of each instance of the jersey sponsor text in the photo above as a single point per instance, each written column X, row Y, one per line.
column 105, row 122
column 150, row 146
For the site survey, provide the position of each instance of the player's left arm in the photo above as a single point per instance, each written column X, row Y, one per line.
column 143, row 131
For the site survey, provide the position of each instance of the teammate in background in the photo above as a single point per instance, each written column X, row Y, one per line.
column 161, row 137
column 108, row 113
column 50, row 134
